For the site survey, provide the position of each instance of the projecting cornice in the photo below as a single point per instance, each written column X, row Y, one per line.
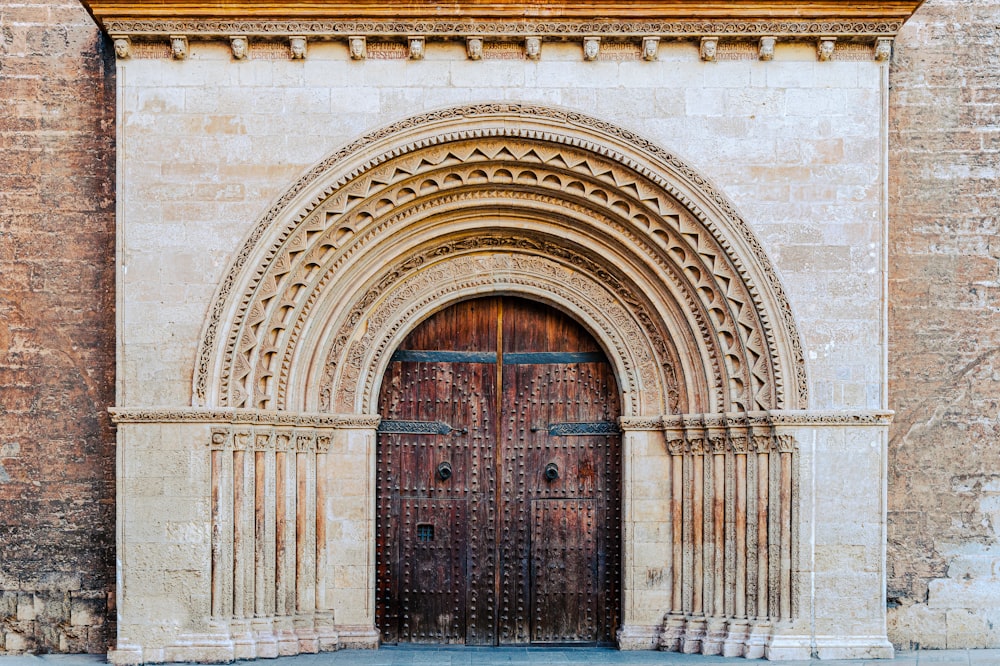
column 500, row 19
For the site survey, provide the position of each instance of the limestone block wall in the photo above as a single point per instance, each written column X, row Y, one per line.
column 57, row 100
column 207, row 143
column 944, row 585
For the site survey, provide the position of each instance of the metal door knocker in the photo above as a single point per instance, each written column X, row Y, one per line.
column 551, row 472
column 444, row 471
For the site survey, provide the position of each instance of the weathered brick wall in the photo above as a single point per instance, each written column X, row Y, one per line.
column 944, row 473
column 56, row 329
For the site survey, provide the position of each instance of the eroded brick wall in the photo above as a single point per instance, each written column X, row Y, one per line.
column 56, row 329
column 944, row 471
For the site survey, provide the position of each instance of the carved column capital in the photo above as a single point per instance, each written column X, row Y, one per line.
column 676, row 446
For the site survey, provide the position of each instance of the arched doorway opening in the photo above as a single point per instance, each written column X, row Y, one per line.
column 498, row 496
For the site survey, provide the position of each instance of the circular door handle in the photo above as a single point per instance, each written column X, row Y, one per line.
column 551, row 472
column 444, row 471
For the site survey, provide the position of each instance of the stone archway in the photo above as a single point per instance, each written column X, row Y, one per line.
column 550, row 204
column 499, row 199
column 549, row 183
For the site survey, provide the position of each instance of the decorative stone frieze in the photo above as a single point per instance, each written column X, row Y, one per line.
column 244, row 417
column 790, row 29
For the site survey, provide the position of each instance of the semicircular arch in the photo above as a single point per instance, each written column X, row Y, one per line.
column 700, row 319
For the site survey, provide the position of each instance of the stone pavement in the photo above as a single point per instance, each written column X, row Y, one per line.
column 519, row 656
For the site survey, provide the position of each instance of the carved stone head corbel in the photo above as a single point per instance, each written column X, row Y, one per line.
column 416, row 48
column 178, row 47
column 824, row 51
column 123, row 46
column 474, row 48
column 358, row 46
column 766, row 49
column 591, row 48
column 297, row 44
column 240, row 46
column 650, row 45
column 533, row 47
column 883, row 49
column 709, row 47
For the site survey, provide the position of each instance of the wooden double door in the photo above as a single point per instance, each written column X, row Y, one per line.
column 498, row 481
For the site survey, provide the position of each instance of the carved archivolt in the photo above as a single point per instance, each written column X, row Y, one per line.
column 502, row 198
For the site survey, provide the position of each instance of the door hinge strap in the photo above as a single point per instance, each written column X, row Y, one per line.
column 414, row 427
column 586, row 428
column 443, row 356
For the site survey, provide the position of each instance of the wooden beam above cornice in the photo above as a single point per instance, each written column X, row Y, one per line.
column 504, row 18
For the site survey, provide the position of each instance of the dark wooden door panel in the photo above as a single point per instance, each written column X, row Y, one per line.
column 432, row 570
column 519, row 403
column 564, row 571
column 554, row 373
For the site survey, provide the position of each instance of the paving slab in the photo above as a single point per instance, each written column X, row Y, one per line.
column 415, row 655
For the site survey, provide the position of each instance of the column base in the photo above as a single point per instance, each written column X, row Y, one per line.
column 638, row 637
column 125, row 655
column 857, row 647
column 359, row 637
